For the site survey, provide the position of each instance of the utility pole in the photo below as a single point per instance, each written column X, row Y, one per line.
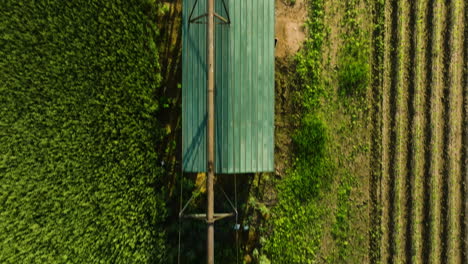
column 210, row 133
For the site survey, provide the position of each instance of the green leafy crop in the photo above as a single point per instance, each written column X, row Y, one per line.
column 79, row 171
column 354, row 68
column 353, row 65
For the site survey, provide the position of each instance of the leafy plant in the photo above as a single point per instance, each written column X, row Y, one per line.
column 296, row 222
column 353, row 64
column 354, row 68
column 79, row 172
column 309, row 60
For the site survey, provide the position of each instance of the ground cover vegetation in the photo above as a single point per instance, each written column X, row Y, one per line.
column 375, row 95
column 296, row 219
column 353, row 76
column 79, row 166
column 353, row 61
column 316, row 209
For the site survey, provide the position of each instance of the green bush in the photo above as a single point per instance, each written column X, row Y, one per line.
column 79, row 174
column 297, row 218
column 311, row 139
column 353, row 69
column 353, row 60
column 311, row 168
column 295, row 228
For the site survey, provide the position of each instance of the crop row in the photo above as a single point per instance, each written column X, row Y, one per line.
column 423, row 184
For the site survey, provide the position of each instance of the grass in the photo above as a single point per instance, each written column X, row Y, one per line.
column 315, row 199
column 401, row 138
column 341, row 227
column 353, row 62
column 436, row 139
column 353, row 77
column 298, row 217
column 378, row 16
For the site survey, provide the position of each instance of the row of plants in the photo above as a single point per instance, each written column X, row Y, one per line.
column 353, row 76
column 377, row 73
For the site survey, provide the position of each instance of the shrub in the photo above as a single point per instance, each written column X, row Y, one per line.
column 295, row 229
column 353, row 69
column 79, row 174
column 353, row 60
column 297, row 216
column 311, row 168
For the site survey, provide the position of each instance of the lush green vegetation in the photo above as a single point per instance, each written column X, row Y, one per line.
column 296, row 224
column 295, row 232
column 298, row 216
column 79, row 168
column 353, row 64
column 309, row 60
column 353, row 79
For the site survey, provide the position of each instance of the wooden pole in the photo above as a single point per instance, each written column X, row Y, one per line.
column 210, row 134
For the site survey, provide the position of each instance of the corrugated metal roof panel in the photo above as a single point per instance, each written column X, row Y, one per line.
column 244, row 86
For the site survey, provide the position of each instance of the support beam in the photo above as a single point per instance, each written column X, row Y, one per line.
column 210, row 134
column 216, row 217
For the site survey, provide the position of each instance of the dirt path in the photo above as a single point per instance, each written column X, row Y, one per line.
column 289, row 27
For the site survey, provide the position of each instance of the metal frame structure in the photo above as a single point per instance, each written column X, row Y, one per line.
column 230, row 130
column 195, row 20
column 210, row 216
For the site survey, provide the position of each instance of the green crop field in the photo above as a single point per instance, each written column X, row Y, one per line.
column 423, row 184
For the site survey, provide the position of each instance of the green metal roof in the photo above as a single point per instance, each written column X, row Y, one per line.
column 244, row 83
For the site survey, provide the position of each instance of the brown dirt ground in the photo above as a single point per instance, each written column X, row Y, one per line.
column 289, row 27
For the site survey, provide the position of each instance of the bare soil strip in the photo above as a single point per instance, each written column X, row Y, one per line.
column 446, row 51
column 386, row 139
column 394, row 181
column 413, row 202
column 464, row 163
column 428, row 8
column 436, row 124
column 401, row 173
